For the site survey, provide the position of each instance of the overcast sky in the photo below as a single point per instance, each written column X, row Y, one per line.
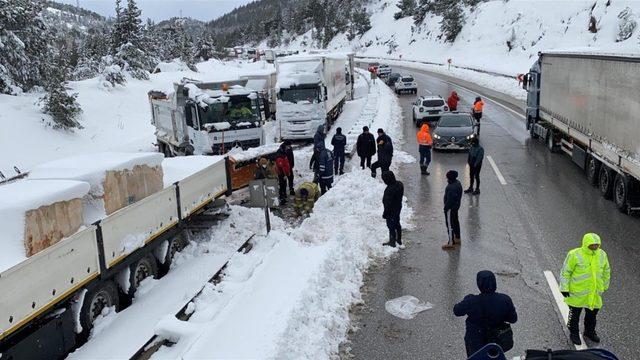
column 164, row 9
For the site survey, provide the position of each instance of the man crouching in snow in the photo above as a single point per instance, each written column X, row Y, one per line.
column 392, row 202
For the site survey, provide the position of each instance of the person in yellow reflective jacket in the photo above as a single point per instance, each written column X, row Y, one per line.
column 584, row 277
column 306, row 196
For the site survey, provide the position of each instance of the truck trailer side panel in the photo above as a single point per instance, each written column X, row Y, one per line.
column 33, row 286
column 335, row 81
column 598, row 96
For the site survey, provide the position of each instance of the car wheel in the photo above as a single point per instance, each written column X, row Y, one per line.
column 606, row 182
column 593, row 170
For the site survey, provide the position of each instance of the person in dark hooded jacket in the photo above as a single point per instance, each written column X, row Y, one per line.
column 319, row 136
column 339, row 142
column 366, row 147
column 476, row 154
column 392, row 202
column 452, row 197
column 484, row 311
column 385, row 153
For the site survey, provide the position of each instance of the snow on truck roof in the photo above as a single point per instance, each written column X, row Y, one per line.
column 208, row 96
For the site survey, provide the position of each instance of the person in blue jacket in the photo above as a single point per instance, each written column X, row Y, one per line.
column 484, row 311
column 324, row 167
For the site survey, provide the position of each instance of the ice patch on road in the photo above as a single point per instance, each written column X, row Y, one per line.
column 406, row 307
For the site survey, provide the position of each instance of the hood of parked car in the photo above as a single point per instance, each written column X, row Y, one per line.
column 453, row 131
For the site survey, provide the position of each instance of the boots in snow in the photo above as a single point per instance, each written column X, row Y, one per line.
column 476, row 192
column 468, row 191
column 389, row 243
column 448, row 246
column 575, row 338
column 457, row 241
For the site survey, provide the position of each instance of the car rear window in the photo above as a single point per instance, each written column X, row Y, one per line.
column 407, row 79
column 433, row 103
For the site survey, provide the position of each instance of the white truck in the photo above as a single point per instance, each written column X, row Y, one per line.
column 265, row 84
column 312, row 90
column 49, row 301
column 587, row 105
column 206, row 118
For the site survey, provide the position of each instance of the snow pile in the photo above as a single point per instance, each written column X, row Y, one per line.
column 177, row 168
column 21, row 196
column 92, row 168
column 296, row 70
column 238, row 155
column 120, row 335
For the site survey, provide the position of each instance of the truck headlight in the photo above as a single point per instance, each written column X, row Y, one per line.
column 436, row 136
column 469, row 137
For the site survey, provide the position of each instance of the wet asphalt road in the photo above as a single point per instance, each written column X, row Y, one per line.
column 517, row 230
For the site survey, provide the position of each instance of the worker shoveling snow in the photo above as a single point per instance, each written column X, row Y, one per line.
column 406, row 307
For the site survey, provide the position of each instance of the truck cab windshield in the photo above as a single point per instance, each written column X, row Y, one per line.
column 237, row 109
column 294, row 94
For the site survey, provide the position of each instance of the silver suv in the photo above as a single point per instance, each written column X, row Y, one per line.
column 406, row 83
column 428, row 108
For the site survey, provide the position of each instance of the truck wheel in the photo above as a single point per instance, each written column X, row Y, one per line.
column 551, row 141
column 165, row 149
column 532, row 131
column 621, row 192
column 178, row 243
column 140, row 270
column 101, row 297
column 593, row 170
column 606, row 182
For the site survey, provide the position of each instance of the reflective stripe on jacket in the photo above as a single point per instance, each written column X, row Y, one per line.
column 585, row 274
column 424, row 138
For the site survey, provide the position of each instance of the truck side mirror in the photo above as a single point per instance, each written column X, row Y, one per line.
column 525, row 81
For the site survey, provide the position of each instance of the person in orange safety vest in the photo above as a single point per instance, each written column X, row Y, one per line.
column 424, row 148
column 476, row 111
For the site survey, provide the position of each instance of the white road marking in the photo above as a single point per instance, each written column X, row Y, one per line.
column 562, row 306
column 490, row 99
column 496, row 170
column 428, row 91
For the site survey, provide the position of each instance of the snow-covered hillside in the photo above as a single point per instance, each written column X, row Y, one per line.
column 114, row 119
column 527, row 26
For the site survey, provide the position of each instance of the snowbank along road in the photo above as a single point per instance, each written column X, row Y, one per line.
column 532, row 210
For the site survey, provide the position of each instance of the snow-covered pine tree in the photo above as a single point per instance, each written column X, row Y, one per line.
column 57, row 102
column 452, row 22
column 127, row 40
column 26, row 45
column 204, row 48
column 407, row 8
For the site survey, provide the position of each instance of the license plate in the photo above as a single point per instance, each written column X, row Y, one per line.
column 407, row 84
column 433, row 111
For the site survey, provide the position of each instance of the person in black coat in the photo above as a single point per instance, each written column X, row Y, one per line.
column 366, row 147
column 392, row 202
column 487, row 310
column 319, row 136
column 339, row 143
column 288, row 151
column 385, row 153
column 476, row 154
column 323, row 168
column 452, row 197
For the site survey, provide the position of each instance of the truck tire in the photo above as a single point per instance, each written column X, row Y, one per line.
column 605, row 180
column 532, row 131
column 175, row 245
column 165, row 149
column 551, row 141
column 621, row 192
column 593, row 171
column 140, row 270
column 104, row 295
